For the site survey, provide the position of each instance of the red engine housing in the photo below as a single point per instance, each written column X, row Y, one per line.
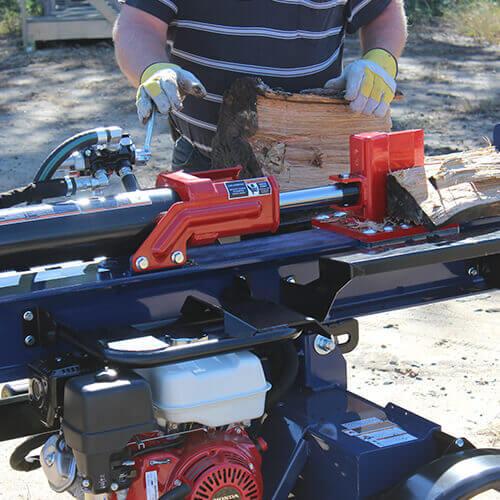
column 216, row 466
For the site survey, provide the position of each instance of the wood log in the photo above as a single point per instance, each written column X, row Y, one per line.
column 457, row 187
column 302, row 139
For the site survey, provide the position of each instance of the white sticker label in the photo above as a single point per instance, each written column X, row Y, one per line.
column 152, row 485
column 378, row 432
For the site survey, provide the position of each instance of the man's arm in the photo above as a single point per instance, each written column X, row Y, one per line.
column 387, row 31
column 140, row 47
column 140, row 41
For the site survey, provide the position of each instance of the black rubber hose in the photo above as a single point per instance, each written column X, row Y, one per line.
column 34, row 192
column 178, row 493
column 18, row 458
column 56, row 157
column 288, row 373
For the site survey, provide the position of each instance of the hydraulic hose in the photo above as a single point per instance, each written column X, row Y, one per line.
column 78, row 141
column 288, row 370
column 35, row 192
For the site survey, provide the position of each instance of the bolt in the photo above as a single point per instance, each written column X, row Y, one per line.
column 322, row 217
column 142, row 263
column 290, row 279
column 85, row 483
column 473, row 272
column 177, row 257
column 29, row 340
column 344, row 176
column 242, row 277
column 405, row 226
column 339, row 214
column 323, row 345
column 113, row 486
column 251, row 466
column 58, row 359
column 388, row 229
column 88, row 152
column 177, row 482
column 50, row 459
column 369, row 231
column 459, row 442
column 28, row 316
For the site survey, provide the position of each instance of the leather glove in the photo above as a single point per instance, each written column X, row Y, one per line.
column 369, row 82
column 165, row 85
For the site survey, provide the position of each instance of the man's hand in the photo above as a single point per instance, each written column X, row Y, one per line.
column 165, row 85
column 369, row 82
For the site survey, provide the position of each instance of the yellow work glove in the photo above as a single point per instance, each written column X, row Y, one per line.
column 369, row 82
column 165, row 85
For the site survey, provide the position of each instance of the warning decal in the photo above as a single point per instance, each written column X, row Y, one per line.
column 378, row 432
column 152, row 485
column 247, row 188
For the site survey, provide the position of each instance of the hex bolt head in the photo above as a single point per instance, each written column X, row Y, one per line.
column 177, row 482
column 142, row 263
column 177, row 257
column 322, row 217
column 50, row 459
column 290, row 279
column 473, row 272
column 369, row 231
column 459, row 442
column 85, row 483
column 28, row 316
column 29, row 340
column 113, row 487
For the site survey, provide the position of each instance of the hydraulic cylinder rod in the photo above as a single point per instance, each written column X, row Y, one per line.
column 336, row 194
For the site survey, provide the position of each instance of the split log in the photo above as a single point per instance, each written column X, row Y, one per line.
column 302, row 139
column 457, row 187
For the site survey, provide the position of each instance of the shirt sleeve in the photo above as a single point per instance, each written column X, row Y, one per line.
column 165, row 10
column 361, row 12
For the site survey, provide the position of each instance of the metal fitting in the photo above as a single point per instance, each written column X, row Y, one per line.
column 339, row 214
column 388, row 229
column 29, row 340
column 142, row 263
column 28, row 316
column 113, row 486
column 85, row 483
column 100, row 179
column 473, row 272
column 290, row 279
column 322, row 217
column 115, row 134
column 323, row 345
column 369, row 231
column 177, row 257
column 459, row 442
column 177, row 482
column 251, row 466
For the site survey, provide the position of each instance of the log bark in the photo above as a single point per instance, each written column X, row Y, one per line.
column 458, row 187
column 302, row 139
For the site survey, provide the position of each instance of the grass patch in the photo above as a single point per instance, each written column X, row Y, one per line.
column 10, row 16
column 479, row 19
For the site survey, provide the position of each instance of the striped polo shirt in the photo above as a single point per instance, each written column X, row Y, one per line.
column 289, row 44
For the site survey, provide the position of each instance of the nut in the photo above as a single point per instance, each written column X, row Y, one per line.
column 142, row 263
column 177, row 257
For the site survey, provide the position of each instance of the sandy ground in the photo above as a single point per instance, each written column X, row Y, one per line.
column 438, row 360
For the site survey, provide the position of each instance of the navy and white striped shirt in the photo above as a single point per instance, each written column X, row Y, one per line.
column 290, row 44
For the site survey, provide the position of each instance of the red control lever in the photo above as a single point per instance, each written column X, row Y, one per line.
column 214, row 205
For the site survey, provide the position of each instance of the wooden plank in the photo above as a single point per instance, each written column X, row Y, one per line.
column 448, row 188
column 105, row 9
column 45, row 29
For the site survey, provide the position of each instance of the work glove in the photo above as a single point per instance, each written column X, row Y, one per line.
column 165, row 85
column 369, row 82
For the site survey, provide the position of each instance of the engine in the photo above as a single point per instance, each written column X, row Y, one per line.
column 176, row 431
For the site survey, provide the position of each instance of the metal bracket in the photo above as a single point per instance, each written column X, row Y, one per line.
column 339, row 330
column 38, row 329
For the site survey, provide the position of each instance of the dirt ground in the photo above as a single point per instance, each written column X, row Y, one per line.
column 438, row 360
